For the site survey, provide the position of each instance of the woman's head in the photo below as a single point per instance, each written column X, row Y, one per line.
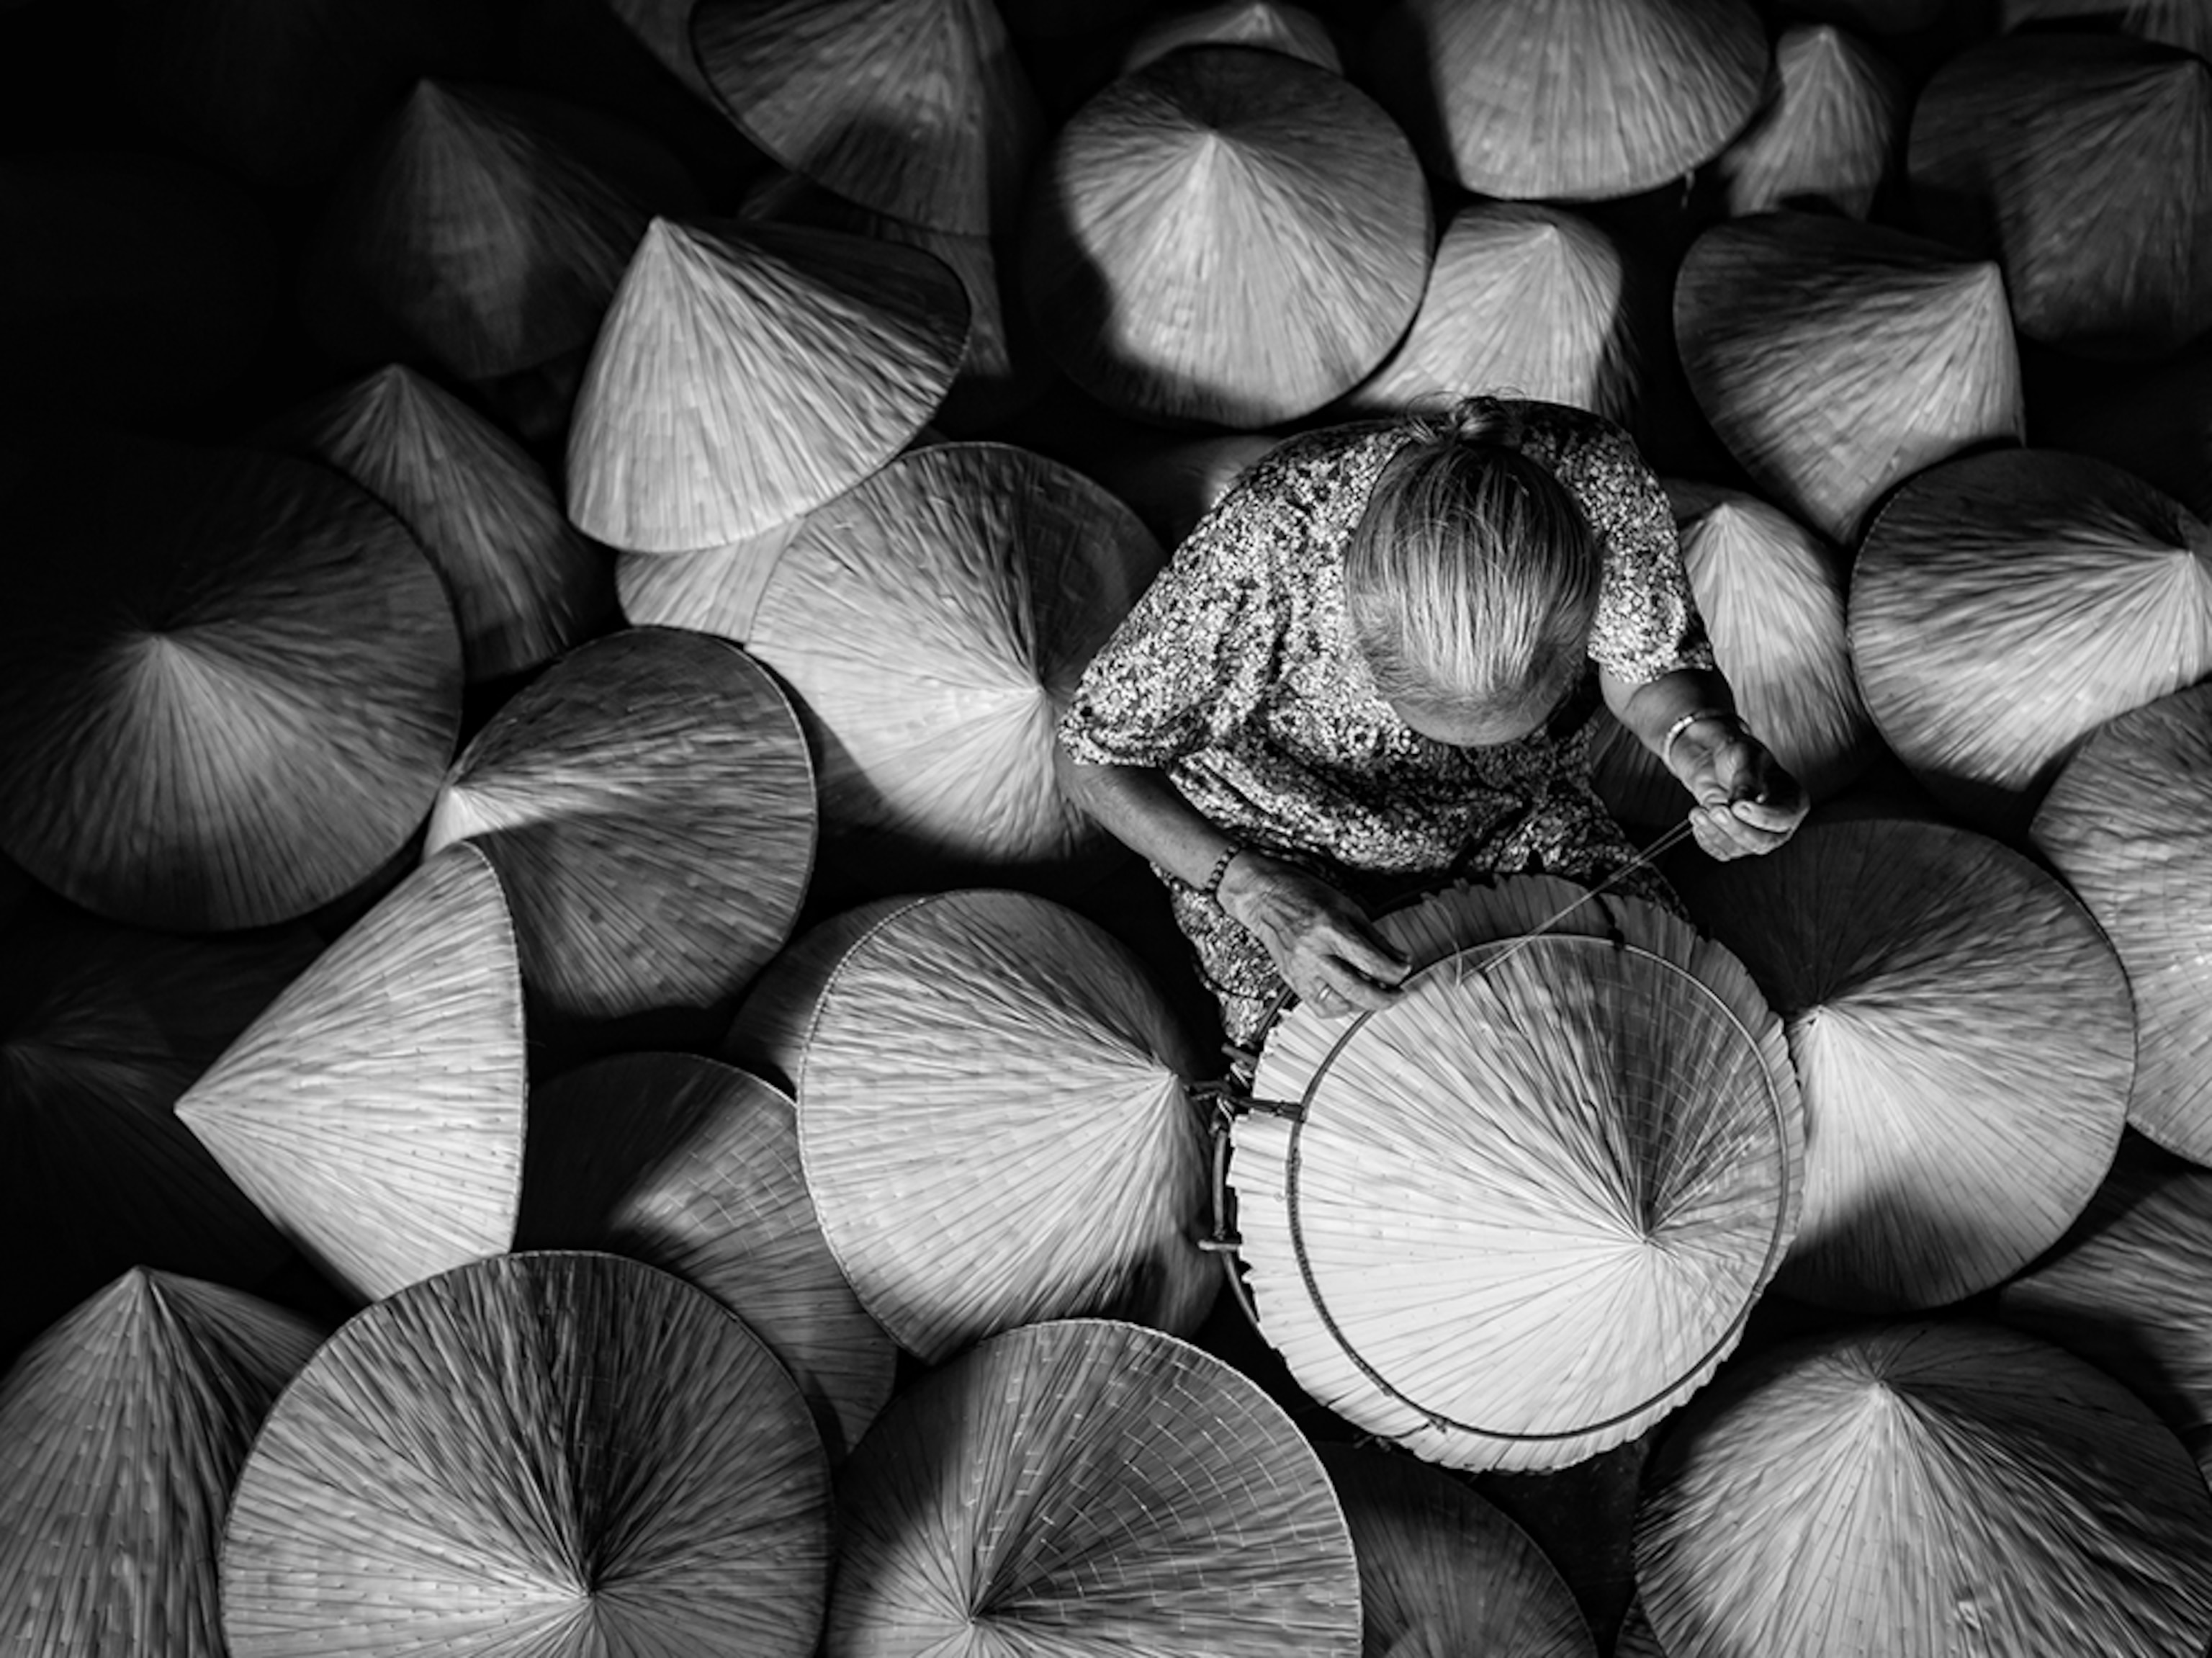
column 1472, row 579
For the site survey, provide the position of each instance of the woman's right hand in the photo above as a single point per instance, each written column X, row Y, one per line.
column 1320, row 940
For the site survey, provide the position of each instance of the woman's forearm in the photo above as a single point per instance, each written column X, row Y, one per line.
column 1139, row 808
column 1655, row 709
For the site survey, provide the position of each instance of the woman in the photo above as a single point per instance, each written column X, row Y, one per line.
column 1372, row 665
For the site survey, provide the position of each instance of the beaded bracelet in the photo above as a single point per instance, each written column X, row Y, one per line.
column 1212, row 886
column 1675, row 730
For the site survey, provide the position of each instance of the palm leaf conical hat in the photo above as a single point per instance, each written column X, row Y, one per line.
column 101, row 1027
column 1442, row 1570
column 228, row 680
column 931, row 623
column 1272, row 25
column 2182, row 23
column 1227, row 234
column 2129, row 825
column 1917, row 1489
column 1517, row 1218
column 649, row 804
column 768, row 1033
column 121, row 1431
column 1771, row 594
column 526, row 584
column 917, row 109
column 693, row 1166
column 994, row 1115
column 553, row 1454
column 375, row 1110
column 1523, row 296
column 1573, row 99
column 1965, row 1038
column 1836, row 359
column 1088, row 1489
column 2006, row 605
column 1829, row 136
column 2084, row 164
column 2126, row 1290
column 747, row 374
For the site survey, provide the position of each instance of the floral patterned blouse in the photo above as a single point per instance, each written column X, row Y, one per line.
column 1235, row 674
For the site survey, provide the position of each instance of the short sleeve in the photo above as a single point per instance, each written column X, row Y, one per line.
column 1647, row 622
column 1196, row 655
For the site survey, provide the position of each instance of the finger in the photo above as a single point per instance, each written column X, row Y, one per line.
column 1770, row 819
column 1713, row 839
column 1348, row 988
column 1748, row 839
column 1369, row 956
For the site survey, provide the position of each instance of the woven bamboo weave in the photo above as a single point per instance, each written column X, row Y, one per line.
column 768, row 1033
column 1829, row 137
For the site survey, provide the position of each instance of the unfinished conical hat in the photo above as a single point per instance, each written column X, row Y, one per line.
column 2127, row 1288
column 768, row 1033
column 2006, row 605
column 2184, row 23
column 1827, row 138
column 375, row 1111
column 915, row 108
column 1573, row 99
column 649, row 805
column 121, row 1430
column 2084, row 164
column 1523, row 295
column 1835, row 359
column 1173, row 485
column 486, row 229
column 1771, row 594
column 1271, row 25
column 2154, row 420
column 557, row 1454
column 2129, row 825
column 1227, row 234
column 748, row 374
column 1922, row 1489
column 228, row 682
column 1514, row 1219
column 1084, row 1489
column 693, row 1166
column 998, row 376
column 1442, row 1570
column 101, row 1027
column 931, row 623
column 1965, row 1041
column 88, row 320
column 526, row 584
column 993, row 1110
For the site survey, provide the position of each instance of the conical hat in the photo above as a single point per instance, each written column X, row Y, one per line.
column 914, row 108
column 551, row 1453
column 2006, row 605
column 1526, row 296
column 486, row 229
column 1514, row 1220
column 768, row 1033
column 1173, row 485
column 1272, row 25
column 526, row 584
column 2129, row 825
column 2084, row 164
column 714, row 590
column 1090, row 1490
column 931, row 623
column 1965, row 1041
column 649, row 805
column 993, row 1111
column 101, row 1027
column 1442, row 1570
column 748, row 374
column 1922, row 1489
column 229, row 681
column 1827, row 136
column 1573, row 99
column 1771, row 594
column 693, row 1167
column 1227, row 234
column 375, row 1111
column 2127, row 1289
column 1637, row 1639
column 121, row 1430
column 90, row 321
column 2184, row 23
column 1835, row 359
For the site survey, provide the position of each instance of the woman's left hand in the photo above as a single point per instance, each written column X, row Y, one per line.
column 1747, row 803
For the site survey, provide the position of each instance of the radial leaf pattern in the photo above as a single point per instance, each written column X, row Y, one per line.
column 1830, row 134
column 2184, row 23
column 767, row 1034
column 1272, row 25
